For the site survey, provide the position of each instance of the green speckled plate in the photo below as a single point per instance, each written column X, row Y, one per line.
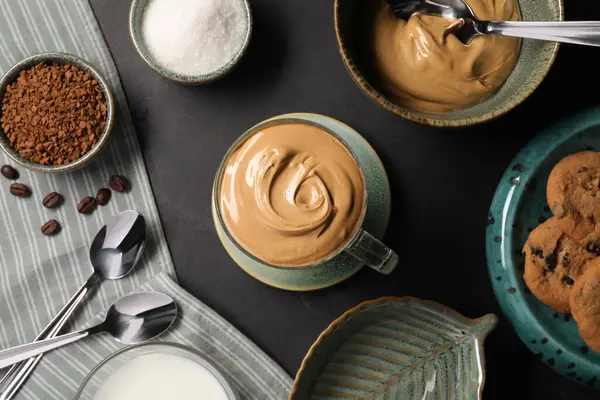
column 519, row 205
column 396, row 348
column 342, row 266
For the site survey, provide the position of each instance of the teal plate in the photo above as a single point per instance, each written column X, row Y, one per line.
column 396, row 348
column 519, row 205
column 342, row 266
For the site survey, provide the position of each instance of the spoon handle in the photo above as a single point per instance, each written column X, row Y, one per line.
column 575, row 32
column 19, row 353
column 18, row 373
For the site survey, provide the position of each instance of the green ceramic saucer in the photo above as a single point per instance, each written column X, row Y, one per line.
column 519, row 205
column 342, row 266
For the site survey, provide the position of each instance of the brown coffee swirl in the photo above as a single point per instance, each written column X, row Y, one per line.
column 291, row 194
column 306, row 205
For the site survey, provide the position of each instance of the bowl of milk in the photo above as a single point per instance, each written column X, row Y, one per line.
column 156, row 371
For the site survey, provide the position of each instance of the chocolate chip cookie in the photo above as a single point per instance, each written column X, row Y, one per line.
column 585, row 304
column 553, row 263
column 573, row 193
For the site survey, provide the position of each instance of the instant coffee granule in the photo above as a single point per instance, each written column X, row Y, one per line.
column 53, row 114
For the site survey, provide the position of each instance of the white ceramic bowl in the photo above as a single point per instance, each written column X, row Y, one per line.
column 136, row 13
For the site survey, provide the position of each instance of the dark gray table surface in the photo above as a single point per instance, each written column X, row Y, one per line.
column 442, row 181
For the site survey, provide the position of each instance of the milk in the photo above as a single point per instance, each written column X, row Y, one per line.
column 159, row 377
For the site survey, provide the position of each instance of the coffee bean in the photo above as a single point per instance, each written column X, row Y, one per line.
column 52, row 200
column 9, row 172
column 86, row 205
column 50, row 228
column 118, row 183
column 103, row 196
column 19, row 190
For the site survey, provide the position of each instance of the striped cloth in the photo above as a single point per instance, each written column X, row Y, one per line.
column 38, row 274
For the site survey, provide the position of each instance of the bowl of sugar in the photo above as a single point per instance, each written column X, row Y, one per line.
column 191, row 41
column 156, row 371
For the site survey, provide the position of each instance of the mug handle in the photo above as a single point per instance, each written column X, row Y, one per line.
column 373, row 252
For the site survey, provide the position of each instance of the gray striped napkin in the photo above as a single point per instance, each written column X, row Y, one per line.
column 38, row 274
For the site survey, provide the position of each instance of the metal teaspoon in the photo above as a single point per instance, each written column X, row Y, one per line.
column 132, row 319
column 114, row 253
column 575, row 32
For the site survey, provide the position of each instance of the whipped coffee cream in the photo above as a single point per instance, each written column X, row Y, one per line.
column 292, row 194
column 424, row 65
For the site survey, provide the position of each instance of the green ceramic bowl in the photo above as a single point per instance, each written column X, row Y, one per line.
column 59, row 58
column 533, row 64
column 396, row 348
column 342, row 266
column 136, row 13
column 519, row 205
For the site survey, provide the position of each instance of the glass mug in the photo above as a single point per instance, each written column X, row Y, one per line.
column 360, row 244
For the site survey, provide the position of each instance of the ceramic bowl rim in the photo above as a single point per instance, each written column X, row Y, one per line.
column 61, row 58
column 274, row 121
column 199, row 358
column 386, row 299
column 409, row 114
column 140, row 47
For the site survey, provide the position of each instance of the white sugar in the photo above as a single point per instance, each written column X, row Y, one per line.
column 194, row 37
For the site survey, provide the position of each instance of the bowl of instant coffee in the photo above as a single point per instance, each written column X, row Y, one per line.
column 57, row 112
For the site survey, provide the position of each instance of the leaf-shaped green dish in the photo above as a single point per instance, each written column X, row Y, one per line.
column 396, row 348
